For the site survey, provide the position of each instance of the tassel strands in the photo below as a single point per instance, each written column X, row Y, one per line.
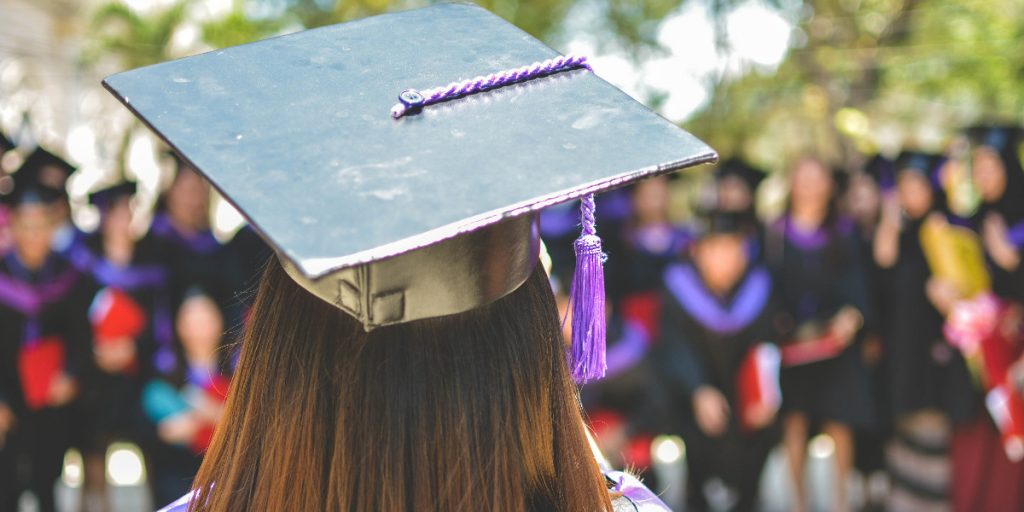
column 587, row 353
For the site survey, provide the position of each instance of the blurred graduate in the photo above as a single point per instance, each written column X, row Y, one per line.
column 815, row 258
column 45, row 341
column 718, row 322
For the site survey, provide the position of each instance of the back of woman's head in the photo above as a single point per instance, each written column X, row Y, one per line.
column 474, row 411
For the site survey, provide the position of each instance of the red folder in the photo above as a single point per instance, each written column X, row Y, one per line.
column 217, row 392
column 757, row 383
column 115, row 314
column 1007, row 410
column 811, row 350
column 39, row 363
column 988, row 331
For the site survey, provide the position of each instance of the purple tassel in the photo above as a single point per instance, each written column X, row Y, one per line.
column 587, row 354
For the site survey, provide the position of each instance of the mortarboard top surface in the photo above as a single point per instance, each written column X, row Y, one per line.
column 296, row 132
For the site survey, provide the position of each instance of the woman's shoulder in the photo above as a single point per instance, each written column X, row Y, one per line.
column 632, row 495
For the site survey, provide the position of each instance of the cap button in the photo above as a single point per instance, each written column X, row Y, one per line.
column 412, row 99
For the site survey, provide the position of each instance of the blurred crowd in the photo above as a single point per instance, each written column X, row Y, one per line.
column 880, row 306
column 112, row 336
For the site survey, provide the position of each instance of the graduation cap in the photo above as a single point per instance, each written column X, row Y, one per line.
column 397, row 163
column 47, row 169
column 103, row 198
column 925, row 164
column 998, row 137
column 24, row 188
column 722, row 222
column 880, row 169
column 735, row 167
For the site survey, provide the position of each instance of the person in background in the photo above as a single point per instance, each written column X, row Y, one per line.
column 185, row 406
column 926, row 381
column 718, row 309
column 130, row 315
column 983, row 476
column 53, row 172
column 862, row 198
column 652, row 240
column 248, row 254
column 816, row 265
column 190, row 251
column 736, row 185
column 44, row 341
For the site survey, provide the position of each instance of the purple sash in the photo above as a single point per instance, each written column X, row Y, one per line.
column 129, row 278
column 629, row 350
column 809, row 240
column 202, row 243
column 1016, row 234
column 30, row 299
column 685, row 285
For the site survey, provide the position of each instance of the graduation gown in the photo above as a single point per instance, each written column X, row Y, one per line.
column 113, row 400
column 922, row 370
column 817, row 274
column 43, row 331
column 704, row 340
column 194, row 260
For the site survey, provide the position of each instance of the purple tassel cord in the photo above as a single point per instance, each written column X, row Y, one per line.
column 587, row 354
column 412, row 101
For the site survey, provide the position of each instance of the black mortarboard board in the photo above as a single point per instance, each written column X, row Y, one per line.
column 925, row 164
column 391, row 219
column 26, row 189
column 751, row 175
column 880, row 169
column 47, row 168
column 998, row 137
column 715, row 221
column 105, row 197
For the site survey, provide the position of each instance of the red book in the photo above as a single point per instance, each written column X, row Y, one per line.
column 757, row 383
column 806, row 351
column 216, row 391
column 39, row 363
column 115, row 314
column 1007, row 410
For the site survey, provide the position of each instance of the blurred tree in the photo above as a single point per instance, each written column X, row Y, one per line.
column 132, row 40
column 860, row 76
column 870, row 75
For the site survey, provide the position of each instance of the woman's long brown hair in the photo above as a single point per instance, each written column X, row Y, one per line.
column 474, row 411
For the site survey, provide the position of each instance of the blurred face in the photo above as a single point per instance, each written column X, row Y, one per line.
column 863, row 197
column 650, row 200
column 188, row 199
column 811, row 185
column 32, row 228
column 734, row 195
column 200, row 326
column 989, row 174
column 117, row 219
column 721, row 260
column 915, row 194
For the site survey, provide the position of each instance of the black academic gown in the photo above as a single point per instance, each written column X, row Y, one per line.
column 48, row 304
column 922, row 370
column 704, row 340
column 113, row 400
column 816, row 274
column 194, row 260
